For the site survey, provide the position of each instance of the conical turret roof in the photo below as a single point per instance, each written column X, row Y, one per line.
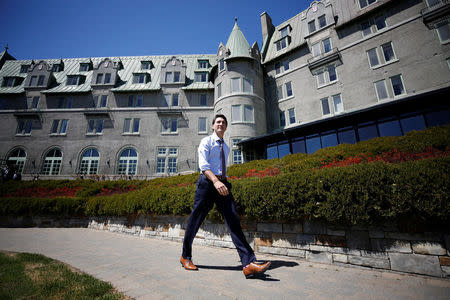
column 237, row 44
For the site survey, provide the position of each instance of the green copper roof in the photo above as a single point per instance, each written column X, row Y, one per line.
column 237, row 44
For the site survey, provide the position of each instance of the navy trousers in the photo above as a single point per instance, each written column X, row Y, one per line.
column 205, row 197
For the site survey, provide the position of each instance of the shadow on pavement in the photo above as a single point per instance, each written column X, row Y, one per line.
column 226, row 268
column 275, row 264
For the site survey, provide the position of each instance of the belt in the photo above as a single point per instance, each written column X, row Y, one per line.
column 220, row 177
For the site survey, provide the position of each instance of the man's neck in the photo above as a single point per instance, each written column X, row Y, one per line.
column 220, row 135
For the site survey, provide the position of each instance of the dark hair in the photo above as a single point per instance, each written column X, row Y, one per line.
column 220, row 116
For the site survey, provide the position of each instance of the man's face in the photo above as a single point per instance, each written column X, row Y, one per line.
column 219, row 126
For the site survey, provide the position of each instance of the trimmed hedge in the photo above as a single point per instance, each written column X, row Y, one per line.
column 365, row 193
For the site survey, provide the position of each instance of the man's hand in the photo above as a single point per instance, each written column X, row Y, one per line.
column 221, row 188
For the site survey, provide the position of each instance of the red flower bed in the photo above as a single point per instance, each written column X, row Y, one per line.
column 117, row 190
column 393, row 156
column 40, row 192
column 270, row 171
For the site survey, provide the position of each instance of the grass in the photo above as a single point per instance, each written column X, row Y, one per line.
column 35, row 276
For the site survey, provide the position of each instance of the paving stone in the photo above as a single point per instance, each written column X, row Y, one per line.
column 415, row 263
column 369, row 262
column 432, row 248
column 391, row 245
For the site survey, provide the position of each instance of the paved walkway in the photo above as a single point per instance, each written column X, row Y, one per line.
column 149, row 269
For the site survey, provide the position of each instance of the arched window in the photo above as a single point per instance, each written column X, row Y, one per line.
column 89, row 161
column 52, row 162
column 18, row 157
column 127, row 162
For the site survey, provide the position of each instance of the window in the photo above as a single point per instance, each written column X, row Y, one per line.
column 388, row 52
column 242, row 113
column 202, row 125
column 288, row 89
column 89, row 162
column 221, row 65
column 284, row 31
column 34, row 102
column 325, row 106
column 131, row 125
column 64, row 102
column 282, row 119
column 337, row 103
column 84, row 67
column 315, row 49
column 166, row 157
column 364, row 3
column 248, row 86
column 201, row 76
column 174, row 99
column 397, row 85
column 24, row 126
column 373, row 25
column 203, row 101
column 135, row 100
column 8, row 81
column 443, row 30
column 72, row 80
column 100, row 101
column 18, row 158
column 326, row 75
column 312, row 26
column 145, row 65
column 169, row 125
column 235, row 85
column 203, row 64
column 322, row 21
column 176, row 76
column 24, row 68
column 237, row 156
column 57, row 68
column 33, row 80
column 99, row 79
column 281, row 66
column 95, row 126
column 166, row 100
column 432, row 2
column 41, row 80
column 107, row 78
column 283, row 43
column 139, row 78
column 219, row 90
column 52, row 162
column 326, row 45
column 373, row 57
column 168, row 76
column 291, row 113
column 381, row 90
column 127, row 164
column 59, row 127
column 277, row 68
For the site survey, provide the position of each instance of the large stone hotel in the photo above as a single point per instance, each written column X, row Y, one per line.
column 341, row 71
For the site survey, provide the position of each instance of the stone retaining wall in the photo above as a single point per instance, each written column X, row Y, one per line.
column 377, row 247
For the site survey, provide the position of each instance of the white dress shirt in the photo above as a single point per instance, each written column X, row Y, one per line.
column 209, row 154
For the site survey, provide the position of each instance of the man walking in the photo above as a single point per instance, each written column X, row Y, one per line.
column 213, row 187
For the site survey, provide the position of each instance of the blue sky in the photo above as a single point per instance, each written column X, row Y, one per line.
column 35, row 29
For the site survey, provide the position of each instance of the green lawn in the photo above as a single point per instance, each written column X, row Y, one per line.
column 34, row 276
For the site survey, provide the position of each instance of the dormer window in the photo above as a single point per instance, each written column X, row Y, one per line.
column 284, row 31
column 8, row 81
column 140, row 78
column 146, row 65
column 203, row 64
column 37, row 80
column 312, row 26
column 221, row 65
column 55, row 68
column 365, row 3
column 72, row 80
column 84, row 67
column 285, row 38
column 322, row 21
column 172, row 77
column 201, row 76
column 24, row 68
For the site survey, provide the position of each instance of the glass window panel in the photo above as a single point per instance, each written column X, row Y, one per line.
column 136, row 124
column 173, row 151
column 329, row 140
column 332, row 73
column 367, row 132
column 279, row 92
column 438, row 118
column 288, row 89
column 443, row 30
column 174, row 125
column 99, row 126
column 312, row 26
column 347, row 136
column 168, row 76
column 388, row 52
column 283, row 150
column 390, row 128
column 413, row 123
column 337, row 102
column 91, row 125
column 161, row 165
column 248, row 113
column 41, row 80
column 248, row 87
column 321, row 78
column 380, row 22
column 236, row 113
column 164, row 124
column 315, row 49
column 201, row 124
column 325, row 106
column 299, row 146
column 99, row 79
column 312, row 144
column 33, row 80
column 221, row 65
column 235, row 85
column 176, row 77
column 326, row 45
column 28, row 126
column 55, row 126
column 282, row 119
column 127, row 125
column 203, row 101
column 272, row 151
column 166, row 101
column 397, row 85
column 366, row 28
column 172, row 166
column 291, row 116
column 107, row 77
column 381, row 90
column 63, row 126
column 284, row 31
column 286, row 65
column 237, row 156
column 277, row 68
column 219, row 90
column 322, row 21
column 162, row 151
column 373, row 57
column 174, row 99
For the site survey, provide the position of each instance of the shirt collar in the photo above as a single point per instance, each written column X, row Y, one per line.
column 215, row 137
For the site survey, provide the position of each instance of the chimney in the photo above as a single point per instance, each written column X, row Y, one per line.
column 266, row 25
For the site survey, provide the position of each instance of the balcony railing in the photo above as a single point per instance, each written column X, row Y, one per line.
column 432, row 15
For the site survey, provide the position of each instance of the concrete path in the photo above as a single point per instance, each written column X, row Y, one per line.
column 149, row 269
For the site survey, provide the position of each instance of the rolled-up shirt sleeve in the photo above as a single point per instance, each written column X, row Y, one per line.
column 203, row 156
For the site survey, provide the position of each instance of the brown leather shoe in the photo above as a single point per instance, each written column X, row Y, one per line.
column 187, row 264
column 255, row 268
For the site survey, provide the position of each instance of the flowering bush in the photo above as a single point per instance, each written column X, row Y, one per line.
column 42, row 192
column 270, row 171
